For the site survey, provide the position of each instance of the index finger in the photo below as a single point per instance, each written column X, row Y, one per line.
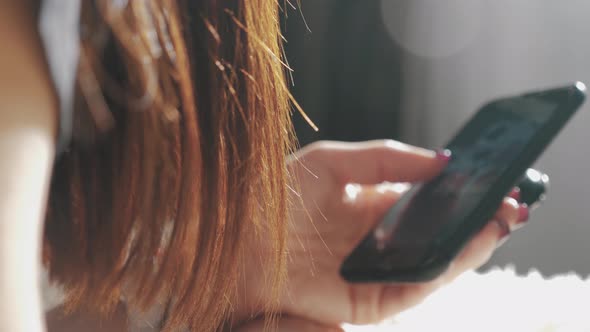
column 373, row 162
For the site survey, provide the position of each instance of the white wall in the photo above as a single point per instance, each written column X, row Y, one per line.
column 461, row 53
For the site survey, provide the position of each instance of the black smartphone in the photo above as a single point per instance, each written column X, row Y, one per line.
column 431, row 223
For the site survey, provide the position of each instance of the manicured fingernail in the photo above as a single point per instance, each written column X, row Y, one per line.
column 443, row 155
column 523, row 213
column 515, row 193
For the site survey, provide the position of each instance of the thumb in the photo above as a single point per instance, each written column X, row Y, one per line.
column 288, row 324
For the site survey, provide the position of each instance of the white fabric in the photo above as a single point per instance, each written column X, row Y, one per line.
column 59, row 22
column 499, row 300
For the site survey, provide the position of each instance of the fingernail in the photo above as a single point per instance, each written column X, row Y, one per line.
column 523, row 213
column 443, row 155
column 515, row 193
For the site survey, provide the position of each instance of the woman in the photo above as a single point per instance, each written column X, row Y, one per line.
column 170, row 193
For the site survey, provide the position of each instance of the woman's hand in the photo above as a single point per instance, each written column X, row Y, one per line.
column 342, row 195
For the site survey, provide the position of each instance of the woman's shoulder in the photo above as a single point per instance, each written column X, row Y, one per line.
column 59, row 29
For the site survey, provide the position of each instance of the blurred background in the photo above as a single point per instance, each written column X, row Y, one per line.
column 416, row 70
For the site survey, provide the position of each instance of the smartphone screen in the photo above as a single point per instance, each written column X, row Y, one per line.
column 430, row 214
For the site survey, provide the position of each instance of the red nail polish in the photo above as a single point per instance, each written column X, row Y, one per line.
column 443, row 155
column 515, row 193
column 523, row 213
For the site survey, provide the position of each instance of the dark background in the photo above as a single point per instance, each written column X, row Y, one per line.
column 346, row 70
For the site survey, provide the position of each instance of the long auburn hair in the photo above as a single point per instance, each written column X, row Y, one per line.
column 177, row 165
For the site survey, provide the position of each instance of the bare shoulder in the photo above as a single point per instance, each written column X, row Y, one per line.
column 28, row 120
column 26, row 94
column 28, row 106
column 28, row 114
